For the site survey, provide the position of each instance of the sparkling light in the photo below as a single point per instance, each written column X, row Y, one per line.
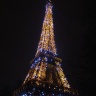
column 47, row 41
column 47, row 47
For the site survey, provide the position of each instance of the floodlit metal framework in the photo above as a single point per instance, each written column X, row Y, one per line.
column 46, row 77
column 47, row 41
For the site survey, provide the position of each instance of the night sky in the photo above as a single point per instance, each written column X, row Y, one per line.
column 74, row 29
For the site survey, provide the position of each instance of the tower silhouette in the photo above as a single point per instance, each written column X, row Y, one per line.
column 46, row 77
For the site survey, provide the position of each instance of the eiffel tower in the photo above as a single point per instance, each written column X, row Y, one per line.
column 46, row 77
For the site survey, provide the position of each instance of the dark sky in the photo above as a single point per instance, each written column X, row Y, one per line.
column 74, row 29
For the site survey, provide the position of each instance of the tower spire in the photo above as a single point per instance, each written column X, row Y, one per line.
column 47, row 41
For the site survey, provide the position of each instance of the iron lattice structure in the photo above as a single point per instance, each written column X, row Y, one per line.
column 46, row 77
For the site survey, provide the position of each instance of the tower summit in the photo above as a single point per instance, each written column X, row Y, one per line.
column 47, row 41
column 46, row 77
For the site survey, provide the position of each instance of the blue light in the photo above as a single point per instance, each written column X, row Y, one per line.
column 42, row 93
column 36, row 61
column 39, row 58
column 33, row 88
column 32, row 66
column 29, row 93
column 41, row 50
column 24, row 95
column 53, row 94
column 46, row 58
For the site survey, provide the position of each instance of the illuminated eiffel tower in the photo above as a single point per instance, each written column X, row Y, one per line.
column 46, row 77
